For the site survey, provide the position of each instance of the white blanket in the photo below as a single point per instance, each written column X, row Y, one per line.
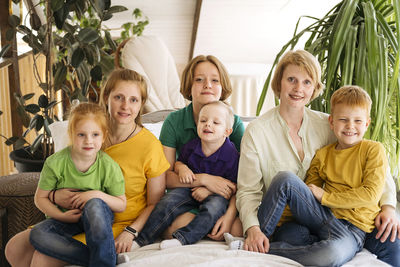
column 213, row 253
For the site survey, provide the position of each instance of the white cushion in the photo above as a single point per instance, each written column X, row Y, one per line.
column 149, row 56
column 59, row 133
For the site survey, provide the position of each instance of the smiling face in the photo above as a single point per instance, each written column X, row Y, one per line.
column 206, row 85
column 87, row 138
column 124, row 102
column 349, row 124
column 297, row 87
column 213, row 124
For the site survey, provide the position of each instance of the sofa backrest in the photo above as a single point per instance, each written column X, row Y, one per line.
column 152, row 121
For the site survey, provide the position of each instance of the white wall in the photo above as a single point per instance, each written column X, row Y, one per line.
column 233, row 30
column 171, row 20
column 252, row 30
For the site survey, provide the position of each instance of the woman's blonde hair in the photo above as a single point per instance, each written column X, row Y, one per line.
column 188, row 75
column 304, row 60
column 84, row 111
column 124, row 75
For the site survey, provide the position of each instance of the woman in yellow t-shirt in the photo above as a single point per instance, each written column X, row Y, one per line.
column 142, row 161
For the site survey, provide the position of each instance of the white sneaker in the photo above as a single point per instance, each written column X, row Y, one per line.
column 122, row 258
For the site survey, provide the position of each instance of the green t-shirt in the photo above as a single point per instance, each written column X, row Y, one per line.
column 104, row 175
column 179, row 128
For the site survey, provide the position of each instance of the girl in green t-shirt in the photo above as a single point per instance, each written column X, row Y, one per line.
column 84, row 167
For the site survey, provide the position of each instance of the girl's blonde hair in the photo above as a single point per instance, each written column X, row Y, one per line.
column 124, row 75
column 188, row 75
column 305, row 61
column 86, row 111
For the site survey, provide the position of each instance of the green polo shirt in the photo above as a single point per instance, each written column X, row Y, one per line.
column 179, row 128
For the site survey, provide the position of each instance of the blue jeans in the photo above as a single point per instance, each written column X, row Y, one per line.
column 297, row 234
column 173, row 204
column 55, row 239
column 339, row 239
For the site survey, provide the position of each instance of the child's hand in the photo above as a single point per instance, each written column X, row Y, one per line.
column 317, row 191
column 79, row 200
column 71, row 216
column 186, row 176
column 200, row 193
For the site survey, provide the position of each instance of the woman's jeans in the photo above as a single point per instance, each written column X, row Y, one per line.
column 339, row 240
column 175, row 203
column 297, row 234
column 55, row 239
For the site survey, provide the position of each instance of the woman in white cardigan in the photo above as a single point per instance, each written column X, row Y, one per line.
column 286, row 139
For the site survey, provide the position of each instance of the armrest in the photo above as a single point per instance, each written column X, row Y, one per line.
column 17, row 204
column 18, row 185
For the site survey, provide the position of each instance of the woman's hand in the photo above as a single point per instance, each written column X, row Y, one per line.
column 200, row 193
column 63, row 197
column 256, row 241
column 387, row 224
column 217, row 185
column 123, row 242
column 223, row 225
column 71, row 216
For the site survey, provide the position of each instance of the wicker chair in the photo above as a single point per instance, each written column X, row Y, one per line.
column 17, row 208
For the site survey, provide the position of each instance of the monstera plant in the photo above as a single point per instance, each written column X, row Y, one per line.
column 357, row 42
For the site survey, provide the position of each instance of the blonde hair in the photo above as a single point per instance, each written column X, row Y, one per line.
column 230, row 118
column 86, row 111
column 188, row 75
column 124, row 75
column 304, row 60
column 353, row 96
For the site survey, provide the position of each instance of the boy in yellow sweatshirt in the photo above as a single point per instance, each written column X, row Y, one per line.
column 339, row 202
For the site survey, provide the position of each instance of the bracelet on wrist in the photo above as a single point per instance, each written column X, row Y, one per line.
column 132, row 231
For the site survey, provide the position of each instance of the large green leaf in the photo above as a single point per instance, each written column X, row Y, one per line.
column 60, row 75
column 87, row 35
column 77, row 57
column 340, row 30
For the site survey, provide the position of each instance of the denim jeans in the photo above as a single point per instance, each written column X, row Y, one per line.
column 297, row 234
column 55, row 238
column 173, row 204
column 339, row 239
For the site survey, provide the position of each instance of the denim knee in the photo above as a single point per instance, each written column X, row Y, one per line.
column 98, row 214
column 388, row 251
column 215, row 205
column 286, row 178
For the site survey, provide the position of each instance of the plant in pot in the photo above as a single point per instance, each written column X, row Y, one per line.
column 77, row 58
column 357, row 42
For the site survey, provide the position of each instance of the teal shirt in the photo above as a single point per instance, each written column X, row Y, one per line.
column 179, row 128
column 59, row 171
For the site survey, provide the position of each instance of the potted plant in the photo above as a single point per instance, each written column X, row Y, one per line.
column 78, row 56
column 357, row 42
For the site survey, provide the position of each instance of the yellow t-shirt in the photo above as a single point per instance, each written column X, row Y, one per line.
column 353, row 180
column 140, row 158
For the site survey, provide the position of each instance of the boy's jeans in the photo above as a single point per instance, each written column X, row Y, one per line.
column 173, row 204
column 54, row 238
column 339, row 239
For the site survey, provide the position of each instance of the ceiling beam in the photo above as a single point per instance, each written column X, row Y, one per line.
column 195, row 27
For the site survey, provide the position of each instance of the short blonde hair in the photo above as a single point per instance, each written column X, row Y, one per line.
column 124, row 75
column 304, row 60
column 353, row 96
column 188, row 75
column 230, row 118
column 84, row 111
